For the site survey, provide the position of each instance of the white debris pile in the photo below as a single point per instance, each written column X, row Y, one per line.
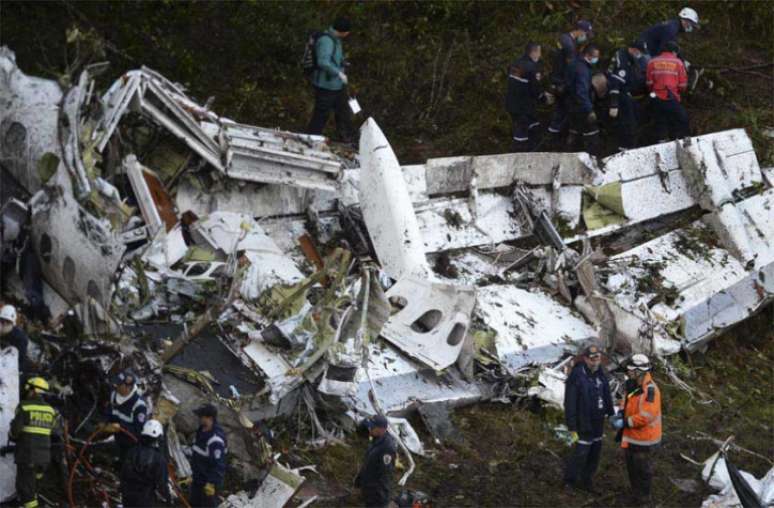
column 271, row 274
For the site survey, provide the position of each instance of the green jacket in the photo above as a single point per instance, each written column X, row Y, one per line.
column 330, row 62
column 31, row 430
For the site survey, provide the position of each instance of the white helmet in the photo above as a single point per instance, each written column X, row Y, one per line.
column 689, row 14
column 8, row 313
column 639, row 362
column 152, row 428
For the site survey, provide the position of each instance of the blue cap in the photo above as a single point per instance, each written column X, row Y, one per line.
column 584, row 25
column 378, row 421
column 125, row 377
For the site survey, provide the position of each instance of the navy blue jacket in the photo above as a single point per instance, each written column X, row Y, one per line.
column 132, row 415
column 18, row 339
column 628, row 72
column 144, row 472
column 658, row 35
column 523, row 88
column 587, row 398
column 565, row 54
column 375, row 476
column 579, row 87
column 209, row 456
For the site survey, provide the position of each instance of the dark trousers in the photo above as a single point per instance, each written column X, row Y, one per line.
column 671, row 119
column 639, row 469
column 626, row 123
column 584, row 134
column 525, row 134
column 376, row 497
column 27, row 477
column 326, row 101
column 584, row 460
column 198, row 498
column 138, row 499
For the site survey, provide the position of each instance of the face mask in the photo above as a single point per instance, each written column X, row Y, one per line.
column 689, row 28
column 5, row 328
column 594, row 60
column 582, row 38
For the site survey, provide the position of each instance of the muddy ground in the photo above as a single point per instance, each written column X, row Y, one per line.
column 511, row 456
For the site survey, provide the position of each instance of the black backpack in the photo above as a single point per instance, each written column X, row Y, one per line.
column 309, row 60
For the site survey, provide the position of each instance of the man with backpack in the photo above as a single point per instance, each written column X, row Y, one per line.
column 328, row 79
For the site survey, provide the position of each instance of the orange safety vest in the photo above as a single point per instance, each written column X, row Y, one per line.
column 643, row 415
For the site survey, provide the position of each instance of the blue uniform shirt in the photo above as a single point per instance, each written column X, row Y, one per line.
column 131, row 414
column 579, row 86
column 209, row 456
column 657, row 36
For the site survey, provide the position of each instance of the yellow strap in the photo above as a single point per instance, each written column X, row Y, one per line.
column 36, row 430
column 31, row 504
column 37, row 407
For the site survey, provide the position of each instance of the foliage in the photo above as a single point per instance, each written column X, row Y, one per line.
column 431, row 73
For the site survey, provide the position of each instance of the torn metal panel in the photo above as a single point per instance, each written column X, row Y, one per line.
column 387, row 209
column 70, row 135
column 550, row 387
column 115, row 103
column 261, row 155
column 167, row 248
column 279, row 487
column 432, row 320
column 277, row 371
column 9, row 399
column 257, row 200
column 530, row 325
column 155, row 205
column 29, row 116
column 14, row 216
column 437, row 419
column 454, row 174
column 401, row 383
column 78, row 253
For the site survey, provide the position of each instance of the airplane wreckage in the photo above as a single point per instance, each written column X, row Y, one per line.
column 271, row 272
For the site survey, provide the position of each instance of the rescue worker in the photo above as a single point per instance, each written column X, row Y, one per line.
column 209, row 458
column 656, row 37
column 587, row 403
column 667, row 79
column 584, row 129
column 144, row 471
column 626, row 76
column 522, row 96
column 330, row 81
column 128, row 412
column 31, row 430
column 640, row 423
column 565, row 55
column 12, row 335
column 375, row 476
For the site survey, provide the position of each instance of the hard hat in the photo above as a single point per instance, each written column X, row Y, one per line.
column 689, row 14
column 639, row 362
column 125, row 377
column 38, row 383
column 8, row 313
column 152, row 428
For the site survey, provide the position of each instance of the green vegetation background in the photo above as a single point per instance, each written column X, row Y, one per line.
column 431, row 73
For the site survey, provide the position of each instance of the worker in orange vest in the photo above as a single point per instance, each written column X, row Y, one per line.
column 640, row 425
column 666, row 79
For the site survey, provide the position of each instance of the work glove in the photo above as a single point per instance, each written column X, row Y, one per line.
column 343, row 78
column 616, row 421
column 613, row 112
column 591, row 118
column 687, row 65
column 209, row 489
column 110, row 428
column 574, row 437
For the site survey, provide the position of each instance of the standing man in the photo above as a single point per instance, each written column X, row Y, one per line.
column 128, row 412
column 641, row 425
column 656, row 37
column 209, row 458
column 565, row 55
column 584, row 129
column 522, row 96
column 375, row 477
column 330, row 81
column 627, row 78
column 587, row 401
column 31, row 430
column 666, row 79
column 12, row 335
column 144, row 471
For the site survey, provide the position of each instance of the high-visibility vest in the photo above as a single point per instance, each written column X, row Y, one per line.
column 32, row 427
column 643, row 415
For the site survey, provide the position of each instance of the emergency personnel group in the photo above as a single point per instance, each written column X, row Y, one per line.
column 645, row 78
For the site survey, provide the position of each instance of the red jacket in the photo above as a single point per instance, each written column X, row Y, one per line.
column 665, row 73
